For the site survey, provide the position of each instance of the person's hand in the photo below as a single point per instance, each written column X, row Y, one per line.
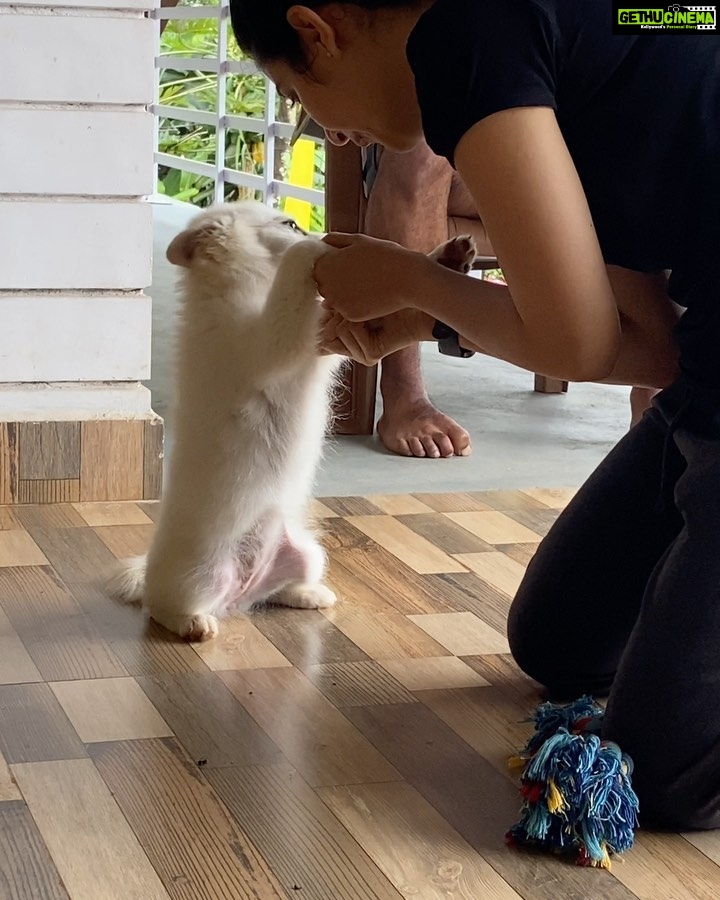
column 365, row 278
column 368, row 342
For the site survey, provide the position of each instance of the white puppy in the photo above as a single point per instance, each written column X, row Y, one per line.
column 251, row 412
column 252, row 407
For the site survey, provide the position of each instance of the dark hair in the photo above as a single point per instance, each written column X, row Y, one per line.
column 262, row 30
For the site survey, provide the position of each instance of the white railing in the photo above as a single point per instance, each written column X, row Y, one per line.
column 269, row 186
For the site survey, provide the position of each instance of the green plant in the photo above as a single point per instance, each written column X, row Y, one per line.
column 244, row 151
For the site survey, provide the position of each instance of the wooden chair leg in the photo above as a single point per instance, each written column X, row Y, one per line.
column 354, row 406
column 545, row 385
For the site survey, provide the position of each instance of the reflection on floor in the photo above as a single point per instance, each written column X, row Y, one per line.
column 354, row 754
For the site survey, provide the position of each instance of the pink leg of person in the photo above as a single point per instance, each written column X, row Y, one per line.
column 408, row 204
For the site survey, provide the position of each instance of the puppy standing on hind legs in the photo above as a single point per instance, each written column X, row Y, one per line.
column 252, row 408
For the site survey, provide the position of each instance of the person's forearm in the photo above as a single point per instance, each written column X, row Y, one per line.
column 644, row 360
column 486, row 320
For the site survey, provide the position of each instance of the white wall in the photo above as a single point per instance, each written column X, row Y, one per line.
column 76, row 140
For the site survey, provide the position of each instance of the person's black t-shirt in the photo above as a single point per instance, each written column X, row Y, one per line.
column 640, row 115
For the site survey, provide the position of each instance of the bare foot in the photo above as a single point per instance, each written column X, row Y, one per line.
column 417, row 428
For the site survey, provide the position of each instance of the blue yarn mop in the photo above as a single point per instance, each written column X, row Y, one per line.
column 576, row 789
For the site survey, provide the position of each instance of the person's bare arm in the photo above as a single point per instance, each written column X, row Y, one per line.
column 562, row 317
column 647, row 357
column 648, row 354
column 558, row 315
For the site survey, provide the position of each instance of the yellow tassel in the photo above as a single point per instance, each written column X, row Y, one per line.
column 605, row 862
column 516, row 762
column 555, row 800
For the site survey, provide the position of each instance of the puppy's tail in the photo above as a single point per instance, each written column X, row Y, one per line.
column 127, row 585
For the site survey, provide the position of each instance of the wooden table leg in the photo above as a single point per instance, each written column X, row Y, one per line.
column 545, row 385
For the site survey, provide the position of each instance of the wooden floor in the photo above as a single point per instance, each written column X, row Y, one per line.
column 354, row 754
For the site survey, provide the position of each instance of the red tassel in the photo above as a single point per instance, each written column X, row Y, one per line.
column 532, row 792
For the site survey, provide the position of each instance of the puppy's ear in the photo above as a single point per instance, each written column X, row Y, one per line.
column 204, row 241
column 183, row 247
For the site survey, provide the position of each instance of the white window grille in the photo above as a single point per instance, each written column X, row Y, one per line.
column 215, row 69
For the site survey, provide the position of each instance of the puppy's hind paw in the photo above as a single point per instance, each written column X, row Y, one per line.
column 195, row 628
column 306, row 596
column 201, row 628
column 128, row 582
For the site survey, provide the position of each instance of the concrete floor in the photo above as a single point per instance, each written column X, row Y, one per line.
column 520, row 438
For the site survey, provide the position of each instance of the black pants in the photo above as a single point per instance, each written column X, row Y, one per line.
column 623, row 596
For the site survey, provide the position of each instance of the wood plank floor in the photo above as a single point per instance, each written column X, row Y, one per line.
column 353, row 754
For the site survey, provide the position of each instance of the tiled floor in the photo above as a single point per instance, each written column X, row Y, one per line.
column 353, row 754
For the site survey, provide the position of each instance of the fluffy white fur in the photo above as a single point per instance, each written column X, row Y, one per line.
column 251, row 412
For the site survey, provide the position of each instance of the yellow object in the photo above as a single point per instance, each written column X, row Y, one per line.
column 605, row 862
column 555, row 800
column 302, row 171
column 258, row 153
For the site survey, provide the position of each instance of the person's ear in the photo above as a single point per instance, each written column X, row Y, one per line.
column 316, row 34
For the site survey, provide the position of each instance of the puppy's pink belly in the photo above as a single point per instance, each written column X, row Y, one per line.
column 272, row 567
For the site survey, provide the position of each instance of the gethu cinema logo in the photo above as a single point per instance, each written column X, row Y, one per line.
column 682, row 16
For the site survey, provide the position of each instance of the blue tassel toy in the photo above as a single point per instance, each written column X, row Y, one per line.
column 576, row 788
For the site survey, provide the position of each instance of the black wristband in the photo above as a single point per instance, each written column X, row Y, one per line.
column 448, row 341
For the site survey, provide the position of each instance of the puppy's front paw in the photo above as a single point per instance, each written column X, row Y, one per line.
column 298, row 262
column 457, row 254
column 196, row 628
column 306, row 596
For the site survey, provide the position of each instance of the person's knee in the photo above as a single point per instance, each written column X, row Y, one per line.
column 551, row 651
column 532, row 650
column 528, row 645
